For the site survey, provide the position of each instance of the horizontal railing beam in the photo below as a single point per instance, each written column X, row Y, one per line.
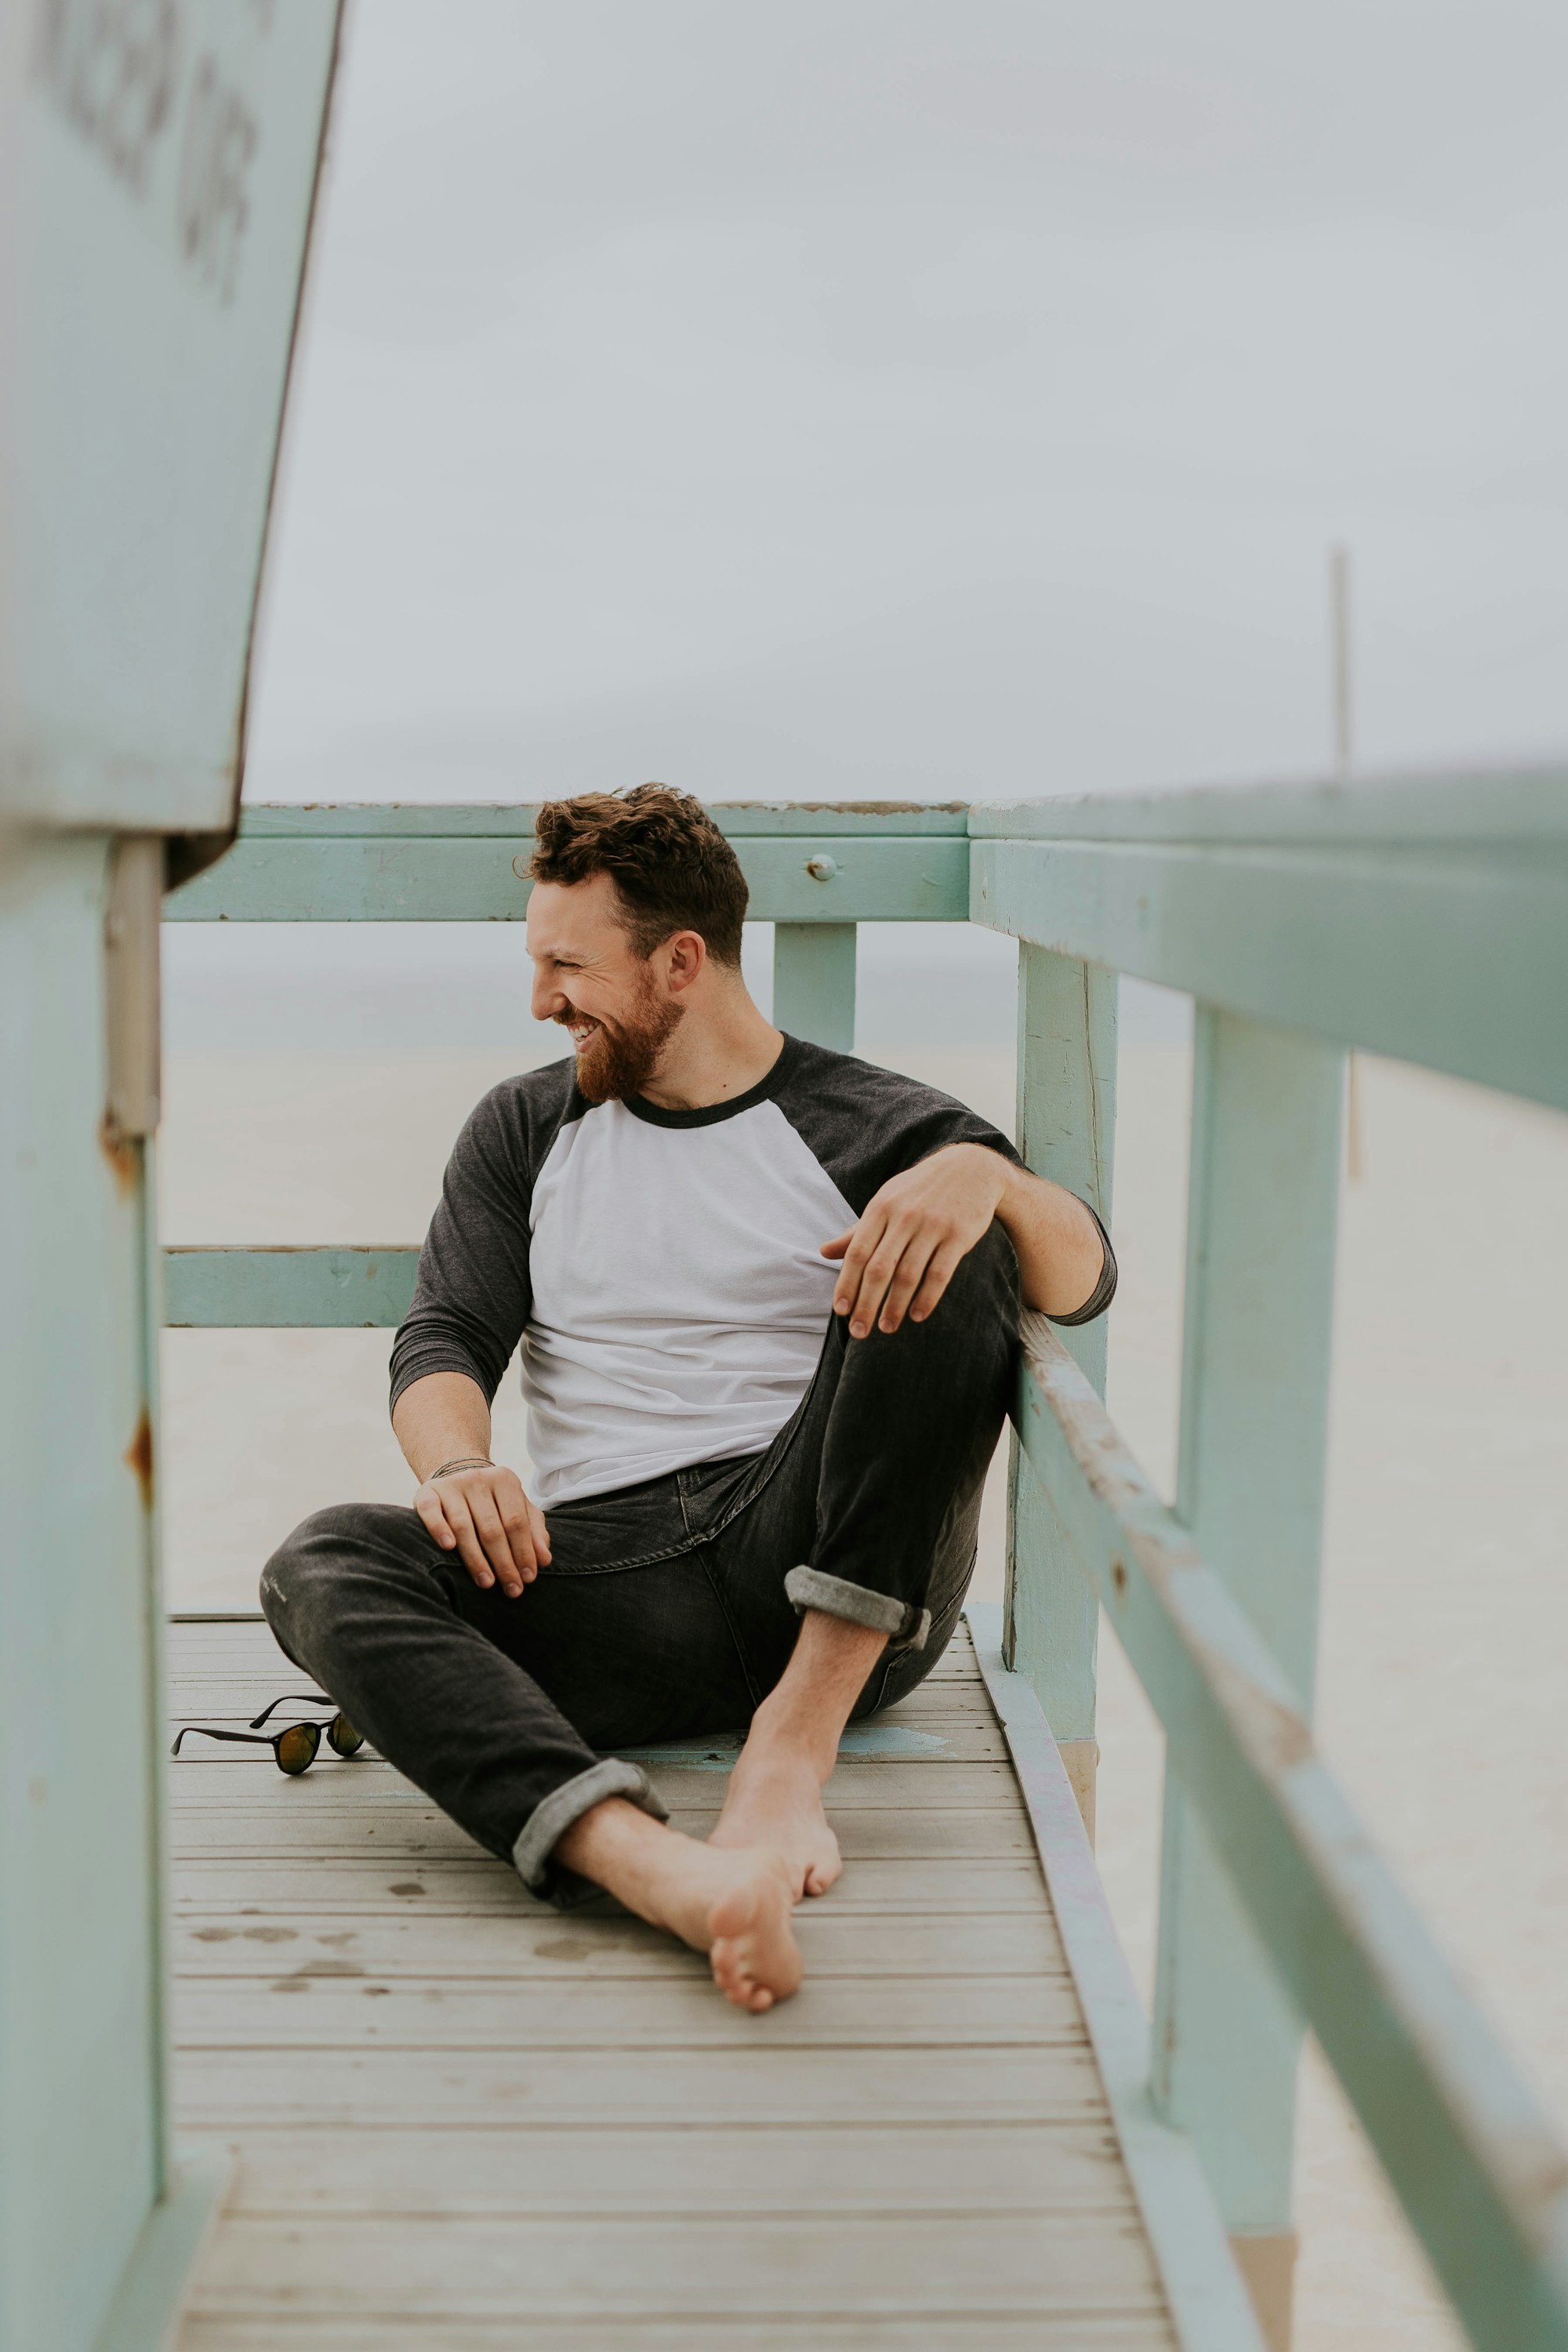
column 823, row 876
column 1479, row 2169
column 370, row 820
column 288, row 1290
column 1471, row 809
column 1455, row 959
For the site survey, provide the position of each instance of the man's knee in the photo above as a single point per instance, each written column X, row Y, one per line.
column 983, row 1296
column 967, row 1345
column 992, row 1267
column 326, row 1554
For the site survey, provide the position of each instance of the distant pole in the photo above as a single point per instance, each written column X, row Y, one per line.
column 1339, row 654
column 1340, row 659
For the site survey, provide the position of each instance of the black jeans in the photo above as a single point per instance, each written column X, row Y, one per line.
column 670, row 1609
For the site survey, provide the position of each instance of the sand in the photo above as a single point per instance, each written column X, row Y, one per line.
column 1446, row 1599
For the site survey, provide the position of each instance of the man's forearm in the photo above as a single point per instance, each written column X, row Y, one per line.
column 443, row 1422
column 1060, row 1253
column 442, row 1418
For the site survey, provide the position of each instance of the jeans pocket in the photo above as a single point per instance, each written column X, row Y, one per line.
column 623, row 1529
column 709, row 1489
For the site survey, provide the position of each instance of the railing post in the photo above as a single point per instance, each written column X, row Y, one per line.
column 813, row 983
column 1067, row 1129
column 82, row 2122
column 1255, row 1383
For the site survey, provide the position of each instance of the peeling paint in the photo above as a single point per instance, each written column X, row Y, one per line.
column 854, row 808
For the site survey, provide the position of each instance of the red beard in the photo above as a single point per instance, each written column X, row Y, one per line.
column 620, row 1057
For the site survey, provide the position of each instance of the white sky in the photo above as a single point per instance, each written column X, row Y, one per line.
column 927, row 396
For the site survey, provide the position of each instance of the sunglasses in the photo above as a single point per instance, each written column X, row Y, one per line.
column 295, row 1749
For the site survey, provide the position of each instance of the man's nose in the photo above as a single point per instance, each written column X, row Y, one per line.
column 549, row 998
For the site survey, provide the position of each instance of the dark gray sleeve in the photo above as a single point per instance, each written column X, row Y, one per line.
column 864, row 1124
column 1104, row 1290
column 473, row 1294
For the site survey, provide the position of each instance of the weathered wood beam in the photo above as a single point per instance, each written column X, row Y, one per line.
column 285, row 1288
column 1208, row 2303
column 1067, row 1131
column 813, row 983
column 1262, row 1212
column 1449, row 955
column 369, row 820
column 1458, row 808
column 1477, row 2164
column 823, row 876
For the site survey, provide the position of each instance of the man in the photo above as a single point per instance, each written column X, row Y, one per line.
column 767, row 1301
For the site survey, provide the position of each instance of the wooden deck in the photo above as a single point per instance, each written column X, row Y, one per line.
column 463, row 2120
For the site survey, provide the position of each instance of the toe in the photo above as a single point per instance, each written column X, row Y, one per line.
column 738, row 1985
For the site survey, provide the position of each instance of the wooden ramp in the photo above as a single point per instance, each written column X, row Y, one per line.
column 460, row 2119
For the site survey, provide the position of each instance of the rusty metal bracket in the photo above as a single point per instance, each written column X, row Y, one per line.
column 130, row 971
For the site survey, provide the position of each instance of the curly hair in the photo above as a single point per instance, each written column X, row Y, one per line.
column 672, row 868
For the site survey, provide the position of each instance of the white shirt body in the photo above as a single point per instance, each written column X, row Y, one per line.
column 681, row 1296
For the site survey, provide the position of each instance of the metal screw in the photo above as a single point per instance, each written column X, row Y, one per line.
column 822, row 869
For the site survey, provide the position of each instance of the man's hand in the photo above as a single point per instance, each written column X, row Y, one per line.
column 483, row 1515
column 900, row 1257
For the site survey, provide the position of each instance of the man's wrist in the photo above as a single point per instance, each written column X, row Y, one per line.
column 1011, row 1191
column 459, row 1461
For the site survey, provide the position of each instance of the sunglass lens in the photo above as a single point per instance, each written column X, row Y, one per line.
column 343, row 1736
column 295, row 1749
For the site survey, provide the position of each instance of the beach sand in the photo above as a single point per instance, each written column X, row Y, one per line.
column 1445, row 1601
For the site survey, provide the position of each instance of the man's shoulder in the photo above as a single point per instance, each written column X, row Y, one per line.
column 817, row 1073
column 864, row 1123
column 522, row 1115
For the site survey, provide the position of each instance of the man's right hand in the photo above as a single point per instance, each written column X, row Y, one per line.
column 484, row 1516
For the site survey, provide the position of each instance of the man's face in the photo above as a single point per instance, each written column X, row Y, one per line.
column 588, row 977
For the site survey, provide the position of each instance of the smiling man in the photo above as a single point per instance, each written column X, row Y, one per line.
column 766, row 1297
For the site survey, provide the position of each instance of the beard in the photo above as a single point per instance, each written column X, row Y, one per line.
column 621, row 1056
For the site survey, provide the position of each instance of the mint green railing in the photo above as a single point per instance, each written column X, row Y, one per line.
column 1426, row 919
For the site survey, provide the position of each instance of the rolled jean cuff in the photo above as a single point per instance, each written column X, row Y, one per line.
column 905, row 1624
column 550, row 1821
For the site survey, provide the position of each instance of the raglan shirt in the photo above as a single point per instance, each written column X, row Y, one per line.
column 662, row 1269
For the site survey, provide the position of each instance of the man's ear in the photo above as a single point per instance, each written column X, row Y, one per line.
column 686, row 956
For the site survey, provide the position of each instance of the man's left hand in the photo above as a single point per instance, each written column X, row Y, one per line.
column 901, row 1255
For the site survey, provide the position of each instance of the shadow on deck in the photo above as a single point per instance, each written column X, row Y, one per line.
column 460, row 2119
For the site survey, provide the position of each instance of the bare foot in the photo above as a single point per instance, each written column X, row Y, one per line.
column 736, row 1908
column 774, row 1803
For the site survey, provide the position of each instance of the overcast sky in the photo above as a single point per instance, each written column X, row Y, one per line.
column 928, row 397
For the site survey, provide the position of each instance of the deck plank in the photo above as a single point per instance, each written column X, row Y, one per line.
column 867, row 2168
column 989, row 1833
column 906, row 2012
column 541, row 1944
column 767, row 2089
column 963, row 1740
column 350, row 1886
column 462, row 2119
column 360, row 1785
column 1077, row 2331
column 714, row 2265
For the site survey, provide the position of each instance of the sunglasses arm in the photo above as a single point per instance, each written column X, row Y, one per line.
column 303, row 1698
column 250, row 1739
